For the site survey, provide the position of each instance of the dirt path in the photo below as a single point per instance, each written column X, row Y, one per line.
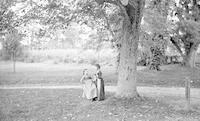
column 151, row 91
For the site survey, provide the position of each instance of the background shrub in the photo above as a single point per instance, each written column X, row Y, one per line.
column 57, row 56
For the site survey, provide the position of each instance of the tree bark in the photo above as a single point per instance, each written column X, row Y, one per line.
column 127, row 76
column 189, row 59
column 190, row 55
column 127, row 66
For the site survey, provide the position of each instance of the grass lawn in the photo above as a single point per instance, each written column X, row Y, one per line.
column 171, row 75
column 67, row 105
column 45, row 73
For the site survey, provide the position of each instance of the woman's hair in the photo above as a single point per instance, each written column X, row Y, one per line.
column 84, row 70
column 98, row 66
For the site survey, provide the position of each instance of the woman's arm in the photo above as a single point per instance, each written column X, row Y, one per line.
column 94, row 78
column 82, row 79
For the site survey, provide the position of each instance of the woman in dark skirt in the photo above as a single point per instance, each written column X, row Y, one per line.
column 99, row 84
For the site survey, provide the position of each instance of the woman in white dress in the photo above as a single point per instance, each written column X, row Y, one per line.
column 89, row 87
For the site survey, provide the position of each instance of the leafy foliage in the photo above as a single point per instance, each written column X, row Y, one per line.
column 178, row 21
column 11, row 44
column 154, row 30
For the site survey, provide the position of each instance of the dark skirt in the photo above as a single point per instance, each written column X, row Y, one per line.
column 100, row 89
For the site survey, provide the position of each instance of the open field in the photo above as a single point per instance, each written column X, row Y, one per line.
column 67, row 105
column 45, row 73
column 59, row 74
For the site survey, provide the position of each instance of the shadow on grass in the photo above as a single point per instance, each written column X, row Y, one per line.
column 144, row 108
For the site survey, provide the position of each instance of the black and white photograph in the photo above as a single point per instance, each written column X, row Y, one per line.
column 99, row 60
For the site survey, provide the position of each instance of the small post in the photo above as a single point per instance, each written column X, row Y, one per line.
column 187, row 93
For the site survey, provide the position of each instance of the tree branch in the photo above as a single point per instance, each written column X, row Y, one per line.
column 176, row 45
column 107, row 23
column 115, row 2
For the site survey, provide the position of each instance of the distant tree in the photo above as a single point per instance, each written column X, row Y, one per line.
column 179, row 21
column 186, row 31
column 154, row 30
column 12, row 46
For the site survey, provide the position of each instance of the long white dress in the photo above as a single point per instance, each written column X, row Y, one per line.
column 89, row 89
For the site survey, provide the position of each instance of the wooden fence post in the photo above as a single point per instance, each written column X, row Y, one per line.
column 187, row 93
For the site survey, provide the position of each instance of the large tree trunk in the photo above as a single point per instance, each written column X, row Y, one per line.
column 127, row 76
column 127, row 66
